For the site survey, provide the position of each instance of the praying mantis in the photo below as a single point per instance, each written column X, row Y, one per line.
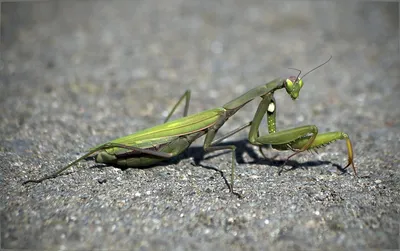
column 164, row 141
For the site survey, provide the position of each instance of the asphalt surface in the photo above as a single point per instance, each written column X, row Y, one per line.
column 77, row 74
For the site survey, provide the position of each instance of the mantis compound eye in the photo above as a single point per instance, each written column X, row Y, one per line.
column 288, row 83
column 300, row 82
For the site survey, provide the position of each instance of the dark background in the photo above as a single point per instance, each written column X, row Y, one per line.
column 78, row 73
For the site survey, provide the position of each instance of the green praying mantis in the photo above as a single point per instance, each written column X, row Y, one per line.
column 162, row 142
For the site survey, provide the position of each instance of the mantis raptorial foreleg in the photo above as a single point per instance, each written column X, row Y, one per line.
column 297, row 139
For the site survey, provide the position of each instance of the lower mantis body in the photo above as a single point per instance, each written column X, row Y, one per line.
column 170, row 139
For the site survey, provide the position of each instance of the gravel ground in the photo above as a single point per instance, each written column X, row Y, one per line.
column 76, row 74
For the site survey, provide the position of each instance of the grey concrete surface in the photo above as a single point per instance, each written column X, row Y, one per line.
column 78, row 73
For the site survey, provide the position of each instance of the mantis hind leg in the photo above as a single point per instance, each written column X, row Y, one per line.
column 101, row 149
column 185, row 96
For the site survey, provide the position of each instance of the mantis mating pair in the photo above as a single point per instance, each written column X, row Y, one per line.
column 170, row 139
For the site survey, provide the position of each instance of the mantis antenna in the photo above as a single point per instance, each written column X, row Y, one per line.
column 311, row 69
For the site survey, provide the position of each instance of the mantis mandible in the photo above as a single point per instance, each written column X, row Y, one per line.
column 161, row 142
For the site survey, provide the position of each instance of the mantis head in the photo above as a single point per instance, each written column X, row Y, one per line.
column 293, row 86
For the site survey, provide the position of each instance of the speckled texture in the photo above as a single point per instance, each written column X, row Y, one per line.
column 76, row 74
